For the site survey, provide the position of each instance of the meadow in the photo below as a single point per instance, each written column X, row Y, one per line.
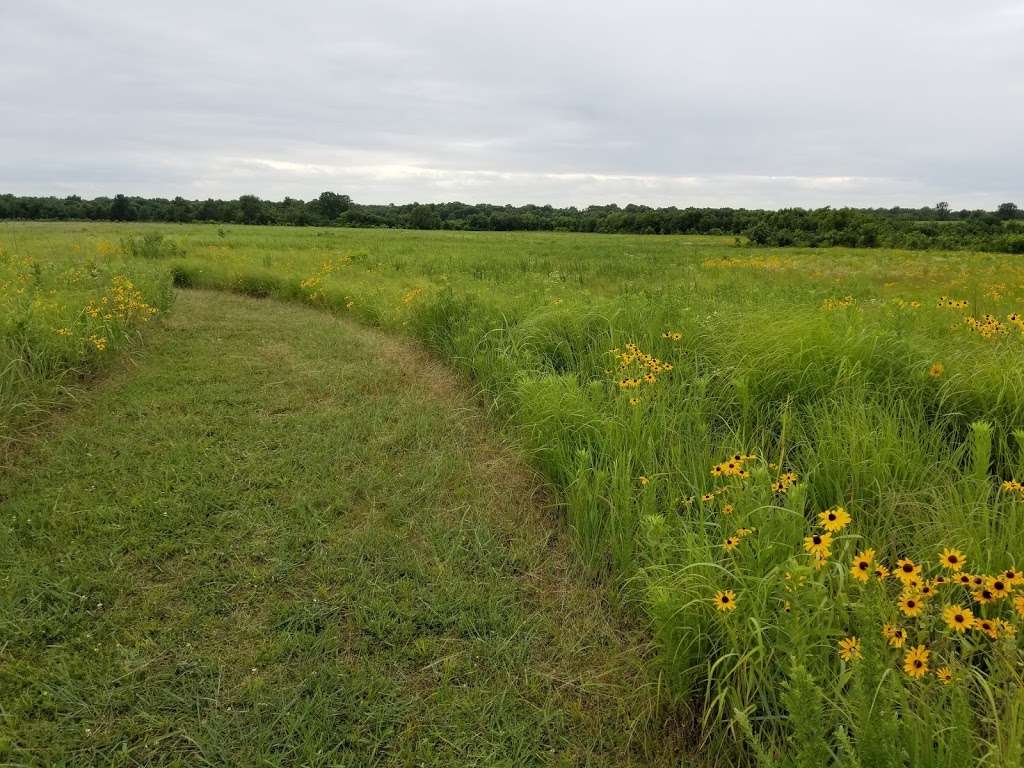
column 801, row 466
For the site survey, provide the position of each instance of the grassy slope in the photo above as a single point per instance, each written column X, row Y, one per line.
column 278, row 541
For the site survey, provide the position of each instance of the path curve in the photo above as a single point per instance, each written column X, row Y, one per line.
column 284, row 539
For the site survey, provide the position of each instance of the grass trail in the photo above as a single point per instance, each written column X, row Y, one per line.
column 283, row 539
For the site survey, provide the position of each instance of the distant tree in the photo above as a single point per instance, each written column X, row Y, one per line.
column 1007, row 211
column 251, row 209
column 180, row 210
column 122, row 209
column 332, row 205
column 942, row 209
column 423, row 217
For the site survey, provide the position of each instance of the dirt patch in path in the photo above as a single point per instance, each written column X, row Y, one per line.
column 285, row 539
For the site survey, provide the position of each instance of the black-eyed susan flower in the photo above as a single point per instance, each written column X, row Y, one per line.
column 634, row 401
column 977, row 581
column 849, row 649
column 952, row 559
column 988, row 626
column 999, row 587
column 727, row 509
column 706, row 497
column 907, row 570
column 1012, row 576
column 895, row 635
column 910, row 604
column 964, row 579
column 860, row 569
column 915, row 661
column 936, row 370
column 834, row 520
column 731, row 543
column 925, row 590
column 958, row 618
column 819, row 545
column 725, row 600
column 945, row 675
column 881, row 572
column 1006, row 628
column 983, row 596
column 1018, row 605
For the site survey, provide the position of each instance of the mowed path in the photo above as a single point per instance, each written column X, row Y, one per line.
column 280, row 539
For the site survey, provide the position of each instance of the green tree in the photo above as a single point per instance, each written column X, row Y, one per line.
column 1007, row 211
column 251, row 209
column 332, row 205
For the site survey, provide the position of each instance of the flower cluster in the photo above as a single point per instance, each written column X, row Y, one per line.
column 945, row 302
column 987, row 327
column 785, row 481
column 832, row 304
column 1013, row 486
column 122, row 305
column 636, row 367
column 819, row 544
column 733, row 466
column 959, row 590
column 313, row 286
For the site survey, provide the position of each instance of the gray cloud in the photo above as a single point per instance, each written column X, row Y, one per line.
column 686, row 102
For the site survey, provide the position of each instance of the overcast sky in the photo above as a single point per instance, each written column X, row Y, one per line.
column 678, row 102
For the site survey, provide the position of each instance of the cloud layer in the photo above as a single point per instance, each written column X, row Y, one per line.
column 692, row 102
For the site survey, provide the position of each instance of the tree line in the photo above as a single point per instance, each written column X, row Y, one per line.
column 936, row 226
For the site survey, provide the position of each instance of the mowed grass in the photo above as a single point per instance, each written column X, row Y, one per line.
column 705, row 411
column 277, row 539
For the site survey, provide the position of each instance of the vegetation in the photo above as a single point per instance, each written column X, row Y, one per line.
column 801, row 464
column 63, row 317
column 938, row 227
column 283, row 540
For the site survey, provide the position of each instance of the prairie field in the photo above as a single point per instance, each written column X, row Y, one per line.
column 791, row 477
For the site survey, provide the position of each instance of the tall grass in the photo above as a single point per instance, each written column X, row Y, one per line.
column 847, row 369
column 62, row 317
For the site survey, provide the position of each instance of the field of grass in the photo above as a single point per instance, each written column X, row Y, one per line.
column 884, row 383
column 280, row 540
